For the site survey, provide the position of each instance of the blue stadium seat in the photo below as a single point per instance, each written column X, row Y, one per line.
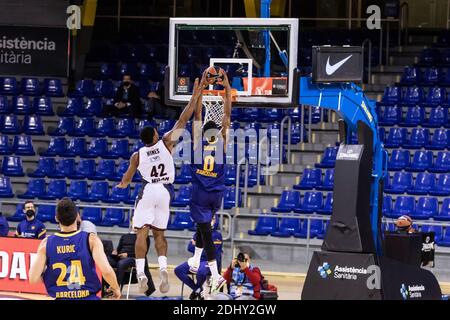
column 43, row 106
column 83, row 88
column 134, row 194
column 46, row 166
column 418, row 138
column 328, row 159
column 121, row 169
column 311, row 179
column 165, row 126
column 106, row 169
column 74, row 107
column 93, row 215
column 287, row 227
column 230, row 174
column 84, row 127
column 147, row 71
column 444, row 213
column 264, row 226
column 181, row 221
column 56, row 146
column 128, row 68
column 84, row 169
column 8, row 86
column 53, row 88
column 93, row 107
column 46, row 213
column 21, row 105
column 33, row 125
column 18, row 215
column 141, row 125
column 12, row 166
column 136, row 146
column 399, row 160
column 118, row 195
column 75, row 147
column 64, row 168
column 401, row 182
column 415, row 116
column 387, row 206
column 113, row 216
column 119, row 149
column 432, row 76
column 328, row 181
column 56, row 190
column 185, row 174
column 404, row 205
column 30, row 87
column 391, row 115
column 98, row 192
column 5, row 107
column 413, row 96
column 438, row 234
column 5, row 188
column 252, row 177
column 426, row 208
column 422, row 160
column 442, row 162
column 78, row 189
column 23, row 146
column 105, row 127
column 429, row 57
column 312, row 202
column 183, row 197
column 249, row 114
column 35, row 188
column 98, row 147
column 328, row 205
column 66, row 125
column 316, row 226
column 436, row 97
column 108, row 71
column 10, row 124
column 392, row 95
column 289, row 200
column 411, row 76
column 5, row 147
column 438, row 118
column 124, row 128
column 424, row 183
column 442, row 187
column 104, row 88
column 440, row 140
column 229, row 198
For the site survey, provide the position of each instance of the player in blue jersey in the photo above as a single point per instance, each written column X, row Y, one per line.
column 67, row 261
column 208, row 183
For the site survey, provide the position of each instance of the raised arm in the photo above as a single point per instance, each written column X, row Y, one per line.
column 197, row 126
column 38, row 266
column 171, row 137
column 226, row 121
column 129, row 174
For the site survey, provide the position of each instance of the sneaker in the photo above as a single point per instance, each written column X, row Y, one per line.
column 164, row 284
column 201, row 295
column 142, row 282
column 194, row 295
column 217, row 284
column 193, row 268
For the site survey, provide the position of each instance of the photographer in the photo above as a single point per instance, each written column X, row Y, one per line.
column 30, row 227
column 243, row 280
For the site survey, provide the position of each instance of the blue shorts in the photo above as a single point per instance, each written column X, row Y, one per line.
column 204, row 205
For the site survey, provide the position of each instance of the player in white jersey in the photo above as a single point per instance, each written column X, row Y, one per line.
column 152, row 207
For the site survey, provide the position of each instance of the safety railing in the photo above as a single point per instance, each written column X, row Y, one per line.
column 367, row 42
column 238, row 178
column 404, row 19
column 283, row 122
column 260, row 157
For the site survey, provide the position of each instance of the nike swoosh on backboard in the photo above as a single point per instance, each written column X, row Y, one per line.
column 330, row 69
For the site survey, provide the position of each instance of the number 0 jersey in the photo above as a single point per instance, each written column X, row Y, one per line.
column 70, row 272
column 156, row 164
column 210, row 174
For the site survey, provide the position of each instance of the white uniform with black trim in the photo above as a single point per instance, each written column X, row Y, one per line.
column 152, row 206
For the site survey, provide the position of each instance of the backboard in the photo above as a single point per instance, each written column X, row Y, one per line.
column 259, row 56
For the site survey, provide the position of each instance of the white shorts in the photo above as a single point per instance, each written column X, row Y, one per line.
column 152, row 207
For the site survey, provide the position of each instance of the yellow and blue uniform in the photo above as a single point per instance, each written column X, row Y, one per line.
column 34, row 229
column 70, row 272
column 208, row 182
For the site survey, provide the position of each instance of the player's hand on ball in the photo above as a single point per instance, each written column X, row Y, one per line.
column 122, row 185
column 225, row 82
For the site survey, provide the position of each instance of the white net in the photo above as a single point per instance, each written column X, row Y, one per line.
column 213, row 105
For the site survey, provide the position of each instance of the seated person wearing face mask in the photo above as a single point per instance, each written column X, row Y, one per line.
column 404, row 225
column 31, row 227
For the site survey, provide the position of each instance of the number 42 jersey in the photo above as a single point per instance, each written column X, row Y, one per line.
column 156, row 164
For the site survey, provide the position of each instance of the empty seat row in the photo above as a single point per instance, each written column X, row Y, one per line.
column 31, row 86
column 414, row 96
column 441, row 236
column 400, row 159
column 121, row 128
column 21, row 145
column 313, row 202
column 183, row 197
column 31, row 125
column 107, row 88
column 286, row 227
column 415, row 116
column 424, row 183
column 417, row 138
column 312, row 179
column 430, row 76
column 424, row 208
column 23, row 105
column 328, row 159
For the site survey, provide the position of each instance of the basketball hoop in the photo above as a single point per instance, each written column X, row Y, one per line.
column 213, row 102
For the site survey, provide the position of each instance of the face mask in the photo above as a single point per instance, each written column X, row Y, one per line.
column 29, row 213
column 126, row 83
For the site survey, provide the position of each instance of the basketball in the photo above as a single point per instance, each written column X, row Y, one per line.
column 213, row 75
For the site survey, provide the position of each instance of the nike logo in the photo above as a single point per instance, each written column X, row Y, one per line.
column 330, row 69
